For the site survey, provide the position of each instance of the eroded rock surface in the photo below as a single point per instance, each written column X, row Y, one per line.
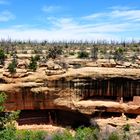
column 86, row 90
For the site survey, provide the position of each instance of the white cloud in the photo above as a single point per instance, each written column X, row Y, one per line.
column 4, row 2
column 126, row 14
column 6, row 16
column 120, row 13
column 49, row 9
column 65, row 29
column 94, row 16
column 42, row 34
column 70, row 24
column 115, row 24
column 121, row 8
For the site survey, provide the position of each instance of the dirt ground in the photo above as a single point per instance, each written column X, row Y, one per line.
column 49, row 128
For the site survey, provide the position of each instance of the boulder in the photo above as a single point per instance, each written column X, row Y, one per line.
column 106, row 63
column 57, row 67
column 42, row 64
column 136, row 100
column 112, row 62
column 1, row 66
column 127, row 64
column 137, row 62
column 53, row 66
column 22, row 65
column 107, row 130
column 19, row 73
column 138, row 119
column 91, row 64
column 50, row 65
column 135, row 66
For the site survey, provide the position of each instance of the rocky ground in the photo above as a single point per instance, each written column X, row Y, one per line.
column 107, row 126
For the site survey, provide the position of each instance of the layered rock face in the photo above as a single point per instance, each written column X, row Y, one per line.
column 85, row 90
column 37, row 90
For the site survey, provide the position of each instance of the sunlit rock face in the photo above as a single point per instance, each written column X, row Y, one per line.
column 112, row 88
column 62, row 93
column 88, row 91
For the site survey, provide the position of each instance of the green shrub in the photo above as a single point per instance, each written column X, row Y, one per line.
column 87, row 133
column 72, row 53
column 30, row 135
column 2, row 99
column 113, row 136
column 126, row 127
column 2, row 57
column 54, row 52
column 66, row 135
column 119, row 53
column 7, row 125
column 7, row 118
column 37, row 57
column 12, row 68
column 83, row 54
column 37, row 51
column 33, row 64
column 8, row 133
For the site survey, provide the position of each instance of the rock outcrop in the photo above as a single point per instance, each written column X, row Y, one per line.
column 86, row 90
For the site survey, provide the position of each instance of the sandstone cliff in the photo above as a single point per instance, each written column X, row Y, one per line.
column 86, row 90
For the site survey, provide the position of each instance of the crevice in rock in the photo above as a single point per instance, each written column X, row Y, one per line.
column 2, row 81
column 110, row 89
column 53, row 116
column 102, row 114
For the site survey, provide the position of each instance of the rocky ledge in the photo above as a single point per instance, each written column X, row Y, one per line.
column 86, row 90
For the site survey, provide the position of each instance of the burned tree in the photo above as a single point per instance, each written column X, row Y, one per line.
column 94, row 52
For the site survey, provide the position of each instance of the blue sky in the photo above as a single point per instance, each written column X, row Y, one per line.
column 70, row 19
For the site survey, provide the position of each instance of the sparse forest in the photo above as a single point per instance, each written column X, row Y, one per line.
column 123, row 53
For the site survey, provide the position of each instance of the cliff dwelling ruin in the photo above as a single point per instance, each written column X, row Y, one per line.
column 70, row 91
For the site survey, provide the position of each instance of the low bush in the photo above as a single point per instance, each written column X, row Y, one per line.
column 37, row 57
column 66, row 135
column 113, row 136
column 2, row 57
column 72, row 53
column 87, row 133
column 54, row 52
column 12, row 66
column 30, row 135
column 83, row 54
column 33, row 64
column 7, row 121
column 8, row 133
column 126, row 127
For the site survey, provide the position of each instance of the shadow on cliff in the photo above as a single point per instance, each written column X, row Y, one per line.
column 54, row 117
